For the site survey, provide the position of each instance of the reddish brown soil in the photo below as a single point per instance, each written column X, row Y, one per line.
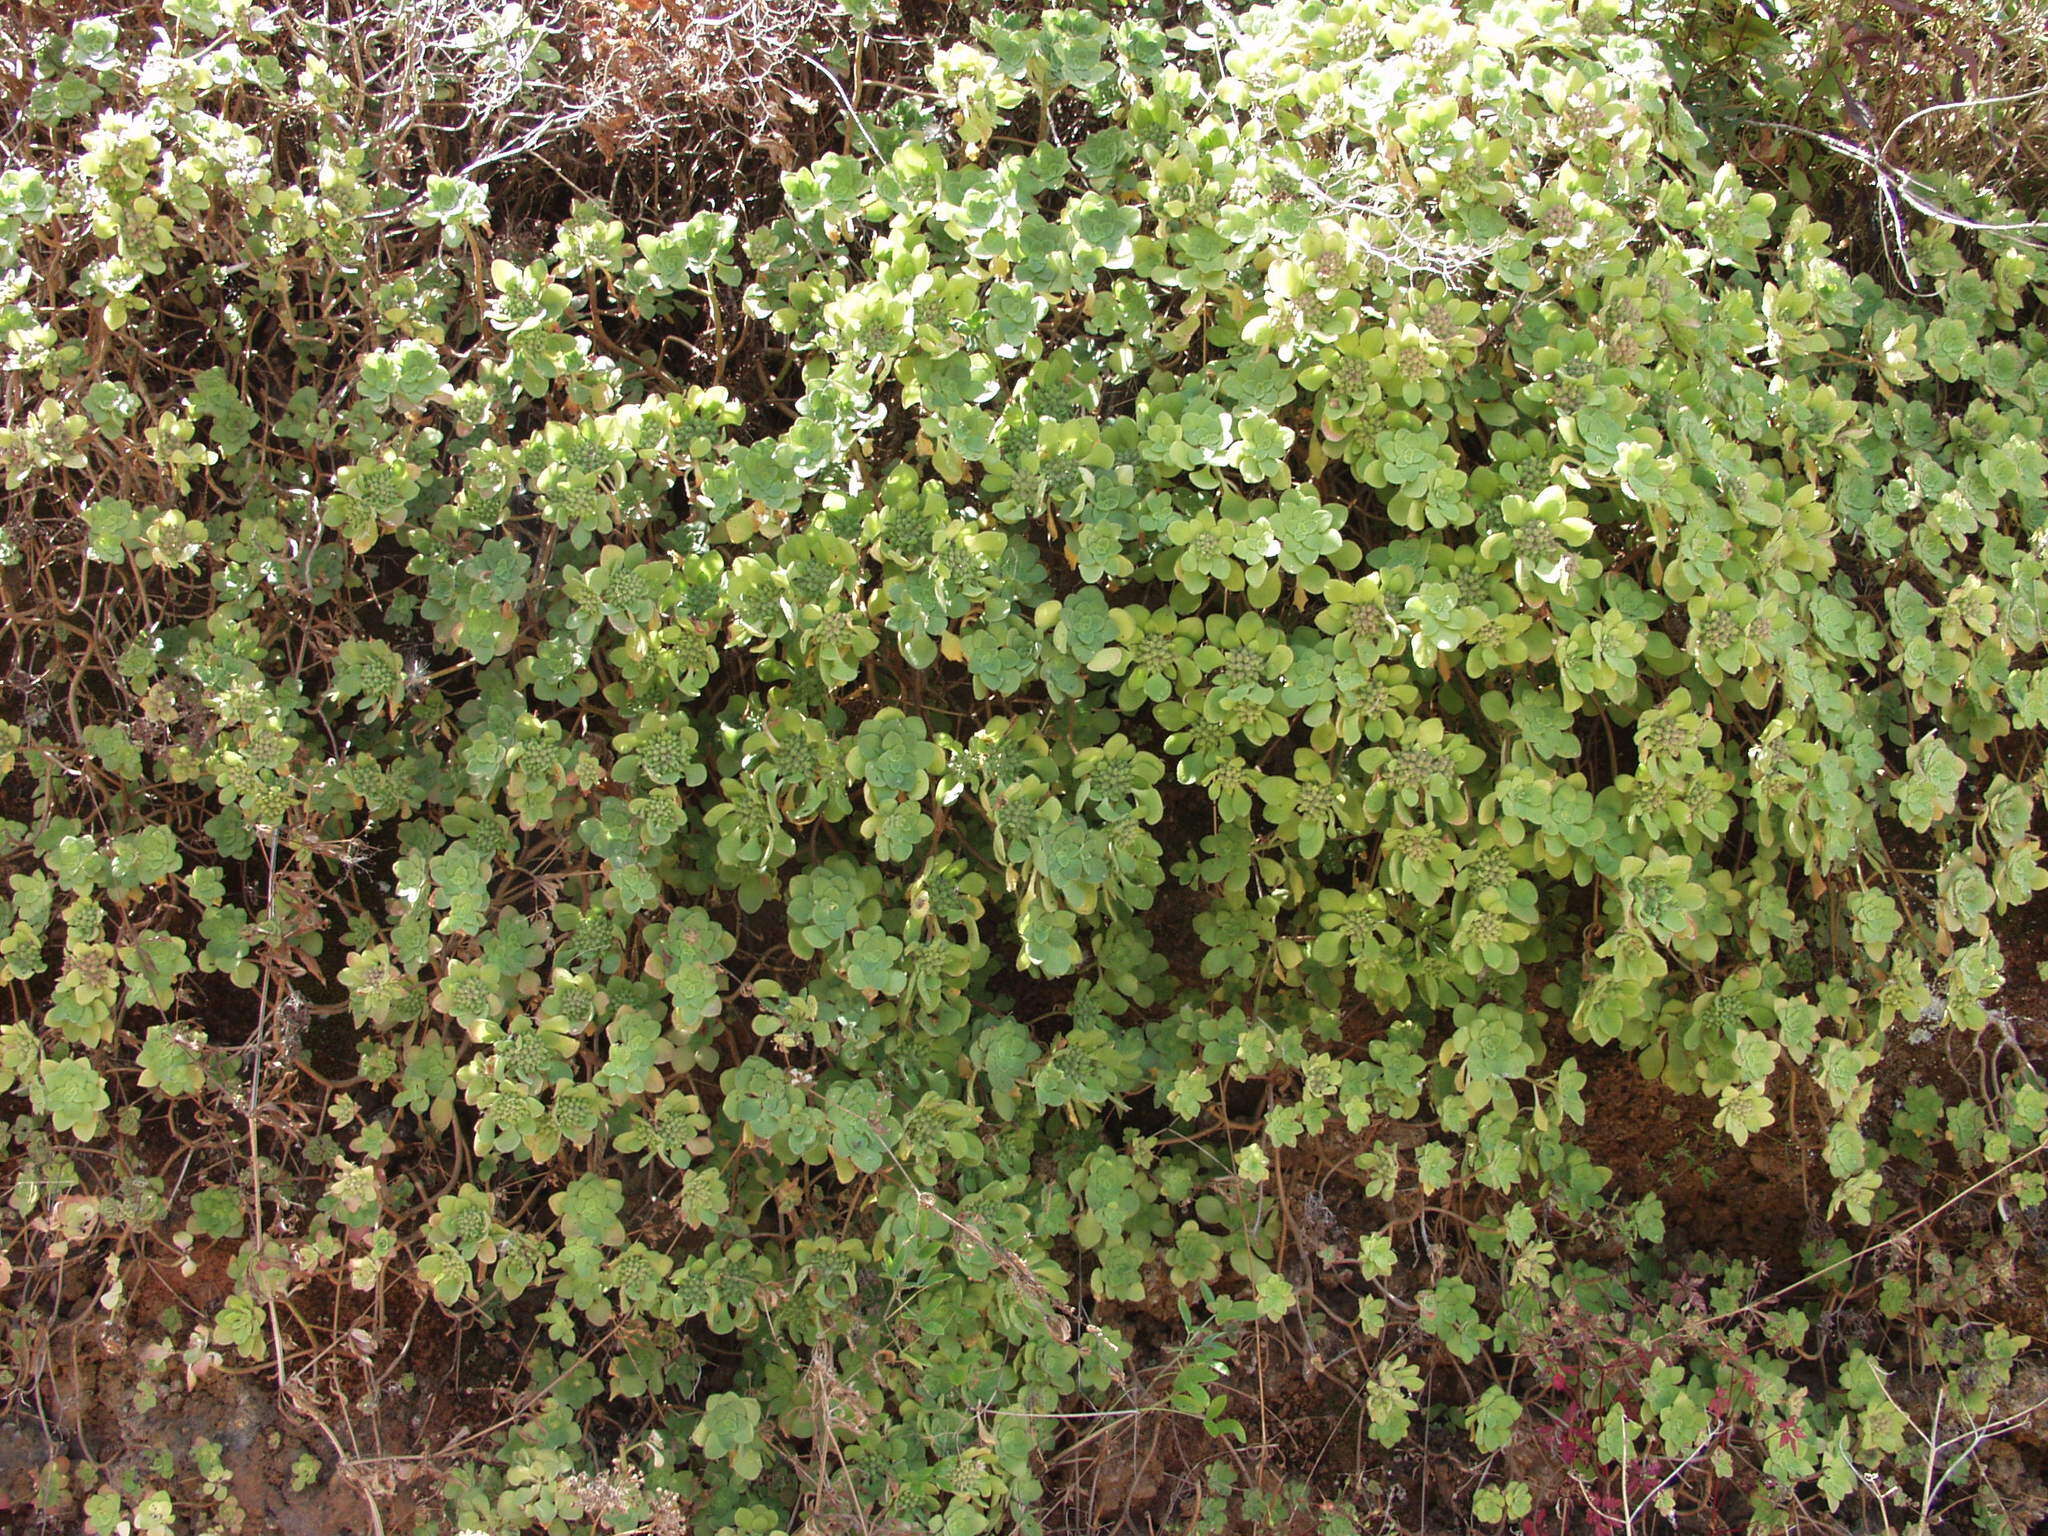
column 1754, row 1202
column 112, row 1401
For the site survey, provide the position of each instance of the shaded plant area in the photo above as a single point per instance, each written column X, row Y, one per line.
column 783, row 767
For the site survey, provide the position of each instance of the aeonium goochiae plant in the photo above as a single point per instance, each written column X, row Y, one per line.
column 926, row 834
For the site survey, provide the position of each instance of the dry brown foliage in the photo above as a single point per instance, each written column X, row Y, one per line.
column 1955, row 86
column 649, row 66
